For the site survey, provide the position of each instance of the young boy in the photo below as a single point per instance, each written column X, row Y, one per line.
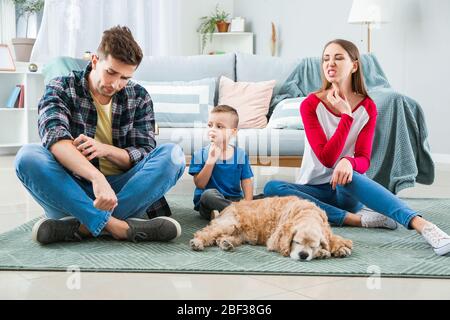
column 221, row 171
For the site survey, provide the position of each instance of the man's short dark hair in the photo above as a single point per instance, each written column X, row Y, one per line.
column 120, row 44
column 227, row 109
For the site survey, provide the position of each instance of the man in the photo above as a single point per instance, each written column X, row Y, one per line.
column 99, row 168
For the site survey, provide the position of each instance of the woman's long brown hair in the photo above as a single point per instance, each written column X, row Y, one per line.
column 358, row 85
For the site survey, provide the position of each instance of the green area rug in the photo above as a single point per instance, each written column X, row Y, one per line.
column 399, row 253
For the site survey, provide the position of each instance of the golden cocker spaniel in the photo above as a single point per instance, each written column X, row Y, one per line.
column 288, row 225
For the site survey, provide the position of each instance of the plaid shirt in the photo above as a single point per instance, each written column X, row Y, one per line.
column 67, row 110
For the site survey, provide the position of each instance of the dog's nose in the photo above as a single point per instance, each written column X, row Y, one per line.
column 303, row 255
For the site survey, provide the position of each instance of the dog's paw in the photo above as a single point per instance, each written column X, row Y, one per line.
column 225, row 245
column 323, row 254
column 342, row 252
column 196, row 245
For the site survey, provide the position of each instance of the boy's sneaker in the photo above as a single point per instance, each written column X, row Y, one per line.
column 159, row 209
column 259, row 196
column 438, row 239
column 156, row 229
column 372, row 219
column 47, row 230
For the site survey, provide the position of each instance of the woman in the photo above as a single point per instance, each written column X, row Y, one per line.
column 339, row 122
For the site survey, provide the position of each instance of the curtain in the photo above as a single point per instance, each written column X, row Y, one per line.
column 71, row 27
column 7, row 21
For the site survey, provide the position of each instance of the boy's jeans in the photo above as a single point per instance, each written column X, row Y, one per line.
column 212, row 199
column 62, row 194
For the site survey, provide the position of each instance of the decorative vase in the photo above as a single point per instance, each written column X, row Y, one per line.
column 22, row 48
column 33, row 67
column 222, row 26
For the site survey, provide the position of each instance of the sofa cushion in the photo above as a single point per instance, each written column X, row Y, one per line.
column 251, row 67
column 186, row 68
column 256, row 142
column 286, row 115
column 250, row 99
column 183, row 104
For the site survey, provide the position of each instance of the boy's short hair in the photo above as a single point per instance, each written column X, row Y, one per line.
column 223, row 108
column 119, row 43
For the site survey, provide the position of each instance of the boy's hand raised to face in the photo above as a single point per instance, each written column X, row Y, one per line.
column 214, row 154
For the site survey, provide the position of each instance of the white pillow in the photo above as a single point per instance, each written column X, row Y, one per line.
column 181, row 104
column 286, row 115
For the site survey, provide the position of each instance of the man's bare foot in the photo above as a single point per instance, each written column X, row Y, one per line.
column 117, row 228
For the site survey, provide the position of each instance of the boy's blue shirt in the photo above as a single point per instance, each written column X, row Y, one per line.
column 226, row 176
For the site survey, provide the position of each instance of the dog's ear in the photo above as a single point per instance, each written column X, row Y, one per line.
column 281, row 239
column 285, row 241
column 274, row 239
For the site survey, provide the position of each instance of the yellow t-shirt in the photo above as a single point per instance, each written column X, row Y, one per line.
column 103, row 134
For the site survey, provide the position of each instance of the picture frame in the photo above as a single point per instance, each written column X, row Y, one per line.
column 6, row 59
column 237, row 24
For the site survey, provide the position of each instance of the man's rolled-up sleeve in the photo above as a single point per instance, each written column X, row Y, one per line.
column 53, row 115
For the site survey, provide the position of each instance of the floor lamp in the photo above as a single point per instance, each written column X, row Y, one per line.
column 367, row 12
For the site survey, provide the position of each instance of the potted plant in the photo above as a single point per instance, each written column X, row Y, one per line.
column 25, row 8
column 209, row 24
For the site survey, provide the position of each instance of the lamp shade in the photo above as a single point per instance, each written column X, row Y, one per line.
column 368, row 11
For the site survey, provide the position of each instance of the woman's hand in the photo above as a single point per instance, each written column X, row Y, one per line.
column 342, row 174
column 342, row 105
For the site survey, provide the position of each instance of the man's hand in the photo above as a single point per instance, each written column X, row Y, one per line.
column 342, row 174
column 214, row 154
column 90, row 148
column 105, row 197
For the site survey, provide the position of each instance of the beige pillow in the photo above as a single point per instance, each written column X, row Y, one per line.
column 250, row 99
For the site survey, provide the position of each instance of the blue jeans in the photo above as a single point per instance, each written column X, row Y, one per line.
column 348, row 198
column 61, row 194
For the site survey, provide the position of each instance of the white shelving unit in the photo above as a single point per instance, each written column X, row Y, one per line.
column 228, row 42
column 19, row 126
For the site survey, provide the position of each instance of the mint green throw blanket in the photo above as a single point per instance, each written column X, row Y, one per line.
column 62, row 66
column 401, row 153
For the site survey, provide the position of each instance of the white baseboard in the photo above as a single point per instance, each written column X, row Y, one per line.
column 441, row 157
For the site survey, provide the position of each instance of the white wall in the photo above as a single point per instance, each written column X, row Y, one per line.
column 413, row 48
column 191, row 11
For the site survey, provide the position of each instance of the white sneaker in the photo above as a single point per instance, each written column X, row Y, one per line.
column 438, row 239
column 372, row 219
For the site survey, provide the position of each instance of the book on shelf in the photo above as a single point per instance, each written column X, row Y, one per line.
column 20, row 101
column 216, row 52
column 11, row 102
column 16, row 98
